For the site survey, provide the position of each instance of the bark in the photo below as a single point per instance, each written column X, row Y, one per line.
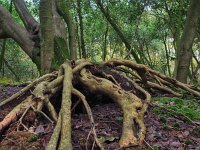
column 2, row 54
column 63, row 10
column 3, row 35
column 29, row 22
column 118, row 30
column 65, row 142
column 61, row 47
column 47, row 35
column 185, row 47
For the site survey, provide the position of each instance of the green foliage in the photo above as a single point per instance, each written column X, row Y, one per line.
column 166, row 127
column 190, row 108
column 175, row 124
column 33, row 138
column 6, row 80
column 163, row 119
column 19, row 62
column 188, row 142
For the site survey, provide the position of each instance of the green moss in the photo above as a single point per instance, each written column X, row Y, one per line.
column 157, row 110
column 188, row 142
column 155, row 148
column 5, row 81
column 33, row 138
column 166, row 127
column 163, row 119
column 190, row 108
column 176, row 125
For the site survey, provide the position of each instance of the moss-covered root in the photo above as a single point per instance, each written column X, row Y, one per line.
column 128, row 102
column 52, row 145
column 65, row 141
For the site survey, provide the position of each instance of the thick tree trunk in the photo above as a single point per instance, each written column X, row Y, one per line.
column 47, row 32
column 185, row 48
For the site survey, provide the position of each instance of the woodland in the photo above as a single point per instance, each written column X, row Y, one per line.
column 100, row 74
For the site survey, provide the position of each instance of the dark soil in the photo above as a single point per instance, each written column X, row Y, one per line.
column 163, row 133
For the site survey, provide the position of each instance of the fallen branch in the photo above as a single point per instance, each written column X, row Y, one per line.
column 24, row 90
column 16, row 112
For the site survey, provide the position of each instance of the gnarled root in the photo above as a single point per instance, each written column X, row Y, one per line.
column 128, row 102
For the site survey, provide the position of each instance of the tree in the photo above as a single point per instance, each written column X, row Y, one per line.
column 185, row 47
column 47, row 42
column 127, row 83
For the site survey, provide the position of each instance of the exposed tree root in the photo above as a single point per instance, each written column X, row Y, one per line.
column 128, row 102
column 128, row 84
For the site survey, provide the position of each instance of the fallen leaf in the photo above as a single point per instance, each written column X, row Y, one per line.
column 176, row 144
column 39, row 129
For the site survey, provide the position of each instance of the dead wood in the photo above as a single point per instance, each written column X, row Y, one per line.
column 16, row 112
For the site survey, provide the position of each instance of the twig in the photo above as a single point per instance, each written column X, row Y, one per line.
column 21, row 118
column 148, row 145
column 88, row 136
column 75, row 104
column 89, row 112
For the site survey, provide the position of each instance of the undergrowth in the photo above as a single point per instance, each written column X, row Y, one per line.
column 188, row 107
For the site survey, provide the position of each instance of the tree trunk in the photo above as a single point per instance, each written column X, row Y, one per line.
column 63, row 9
column 47, row 38
column 118, row 31
column 82, row 42
column 185, row 47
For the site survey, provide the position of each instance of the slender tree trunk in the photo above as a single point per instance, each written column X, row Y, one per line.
column 47, row 35
column 2, row 54
column 167, row 54
column 118, row 30
column 82, row 42
column 105, row 43
column 185, row 47
column 63, row 9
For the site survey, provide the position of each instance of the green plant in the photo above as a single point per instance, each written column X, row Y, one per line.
column 188, row 142
column 166, row 127
column 33, row 138
column 176, row 125
column 163, row 119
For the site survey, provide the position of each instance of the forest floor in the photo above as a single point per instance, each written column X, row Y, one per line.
column 165, row 131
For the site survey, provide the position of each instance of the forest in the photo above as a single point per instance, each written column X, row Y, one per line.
column 100, row 74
